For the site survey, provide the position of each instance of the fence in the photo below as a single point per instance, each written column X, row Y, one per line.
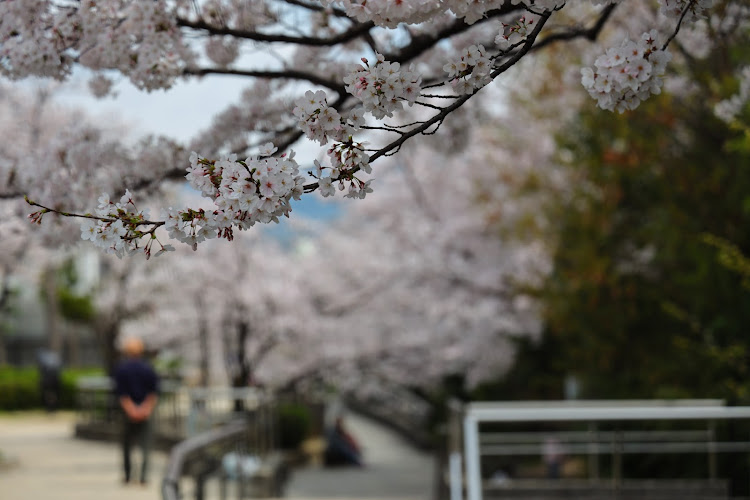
column 232, row 442
column 604, row 435
column 219, row 437
column 99, row 416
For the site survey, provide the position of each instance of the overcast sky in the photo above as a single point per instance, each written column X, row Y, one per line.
column 179, row 112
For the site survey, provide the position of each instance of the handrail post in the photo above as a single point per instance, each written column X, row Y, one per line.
column 455, row 477
column 593, row 452
column 712, row 467
column 471, row 457
column 617, row 441
column 170, row 489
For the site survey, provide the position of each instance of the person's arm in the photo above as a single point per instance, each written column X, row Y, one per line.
column 129, row 407
column 148, row 405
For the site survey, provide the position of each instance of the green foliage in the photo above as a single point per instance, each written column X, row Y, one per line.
column 71, row 303
column 75, row 307
column 169, row 366
column 295, row 423
column 639, row 304
column 9, row 307
column 19, row 387
column 537, row 374
column 730, row 256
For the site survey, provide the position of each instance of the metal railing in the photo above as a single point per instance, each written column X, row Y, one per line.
column 469, row 446
column 98, row 413
column 212, row 433
column 200, row 456
column 232, row 438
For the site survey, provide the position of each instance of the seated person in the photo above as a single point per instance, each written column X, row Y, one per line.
column 342, row 448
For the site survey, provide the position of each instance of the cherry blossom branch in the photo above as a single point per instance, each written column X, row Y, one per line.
column 259, row 189
column 318, row 8
column 687, row 9
column 439, row 117
column 45, row 210
column 284, row 74
column 424, row 42
column 590, row 34
column 356, row 31
column 135, row 222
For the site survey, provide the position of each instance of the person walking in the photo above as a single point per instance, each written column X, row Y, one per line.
column 49, row 378
column 137, row 392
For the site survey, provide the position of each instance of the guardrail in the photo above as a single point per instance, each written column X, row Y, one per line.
column 232, row 438
column 200, row 456
column 98, row 413
column 223, row 433
column 468, row 446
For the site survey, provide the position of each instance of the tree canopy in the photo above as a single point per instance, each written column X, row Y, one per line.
column 640, row 302
column 359, row 78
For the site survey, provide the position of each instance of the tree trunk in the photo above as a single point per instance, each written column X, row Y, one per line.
column 242, row 375
column 74, row 351
column 203, row 343
column 3, row 350
column 107, row 333
column 54, row 335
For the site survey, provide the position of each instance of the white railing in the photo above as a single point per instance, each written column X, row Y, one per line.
column 467, row 420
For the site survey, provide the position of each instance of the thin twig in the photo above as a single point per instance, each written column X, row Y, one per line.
column 679, row 24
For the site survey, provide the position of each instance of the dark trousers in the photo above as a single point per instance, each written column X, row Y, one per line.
column 136, row 432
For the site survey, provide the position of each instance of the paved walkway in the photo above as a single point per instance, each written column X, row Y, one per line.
column 393, row 469
column 47, row 463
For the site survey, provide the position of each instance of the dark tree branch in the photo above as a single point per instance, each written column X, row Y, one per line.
column 353, row 33
column 590, row 34
column 289, row 74
column 317, row 8
column 422, row 43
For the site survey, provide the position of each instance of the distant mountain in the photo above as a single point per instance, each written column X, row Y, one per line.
column 310, row 207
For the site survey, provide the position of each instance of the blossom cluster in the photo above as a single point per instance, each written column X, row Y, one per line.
column 139, row 39
column 257, row 189
column 147, row 42
column 512, row 34
column 222, row 51
column 115, row 229
column 626, row 75
column 383, row 86
column 319, row 121
column 24, row 47
column 390, row 14
column 347, row 158
column 728, row 109
column 542, row 5
column 101, row 85
column 470, row 71
column 695, row 8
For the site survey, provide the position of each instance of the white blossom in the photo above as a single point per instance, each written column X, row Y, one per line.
column 626, row 75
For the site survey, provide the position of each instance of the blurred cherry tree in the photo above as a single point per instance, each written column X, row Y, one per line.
column 361, row 79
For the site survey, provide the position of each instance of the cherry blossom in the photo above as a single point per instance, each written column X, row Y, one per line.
column 627, row 75
column 728, row 109
column 336, row 72
column 411, row 283
column 383, row 87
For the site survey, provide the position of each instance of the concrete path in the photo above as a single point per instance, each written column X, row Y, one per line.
column 393, row 470
column 47, row 463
